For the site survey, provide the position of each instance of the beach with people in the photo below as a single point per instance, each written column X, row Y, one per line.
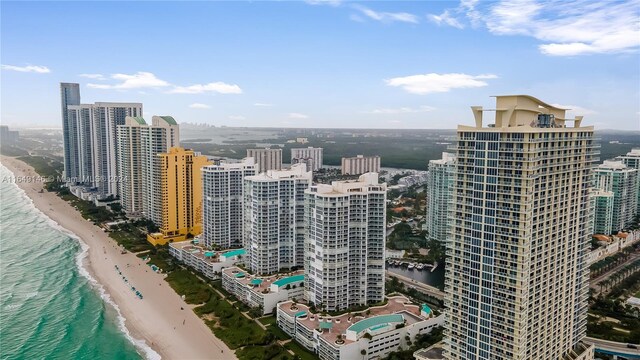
column 160, row 322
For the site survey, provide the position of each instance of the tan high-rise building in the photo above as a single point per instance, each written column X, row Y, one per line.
column 360, row 165
column 516, row 278
column 266, row 159
column 181, row 189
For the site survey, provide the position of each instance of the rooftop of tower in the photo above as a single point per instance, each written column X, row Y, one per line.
column 613, row 165
column 523, row 111
column 297, row 171
column 366, row 182
column 170, row 120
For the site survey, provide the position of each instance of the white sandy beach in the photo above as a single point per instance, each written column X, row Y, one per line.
column 158, row 318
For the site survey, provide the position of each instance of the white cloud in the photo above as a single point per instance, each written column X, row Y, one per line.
column 262, row 104
column 144, row 79
column 436, row 83
column 402, row 110
column 29, row 68
column 445, row 18
column 387, row 17
column 139, row 80
column 564, row 28
column 237, row 117
column 298, row 116
column 324, row 2
column 575, row 109
column 93, row 76
column 199, row 106
column 218, row 87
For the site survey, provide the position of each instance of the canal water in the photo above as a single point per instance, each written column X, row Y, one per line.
column 425, row 276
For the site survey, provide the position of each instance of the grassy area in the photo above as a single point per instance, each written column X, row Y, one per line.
column 301, row 352
column 226, row 320
column 187, row 284
column 44, row 166
column 89, row 211
column 273, row 352
column 231, row 326
column 11, row 150
column 269, row 320
column 277, row 332
column 134, row 242
column 160, row 257
column 637, row 295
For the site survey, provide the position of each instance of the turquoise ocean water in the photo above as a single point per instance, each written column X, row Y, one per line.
column 50, row 307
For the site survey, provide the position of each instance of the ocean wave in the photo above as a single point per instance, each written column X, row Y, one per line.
column 141, row 345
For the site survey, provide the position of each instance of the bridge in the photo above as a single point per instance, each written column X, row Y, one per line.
column 614, row 348
column 422, row 287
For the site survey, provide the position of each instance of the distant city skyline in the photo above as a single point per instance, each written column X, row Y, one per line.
column 322, row 64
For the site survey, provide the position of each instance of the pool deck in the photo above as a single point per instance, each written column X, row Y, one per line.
column 397, row 305
column 262, row 283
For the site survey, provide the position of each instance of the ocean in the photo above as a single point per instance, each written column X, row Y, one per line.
column 50, row 306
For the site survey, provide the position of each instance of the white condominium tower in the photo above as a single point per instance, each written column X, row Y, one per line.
column 360, row 165
column 91, row 152
column 80, row 119
column 69, row 95
column 439, row 191
column 129, row 164
column 138, row 146
column 222, row 187
column 106, row 117
column 516, row 278
column 138, row 163
column 622, row 181
column 273, row 232
column 345, row 246
column 266, row 159
column 310, row 155
column 632, row 160
column 157, row 138
column 603, row 208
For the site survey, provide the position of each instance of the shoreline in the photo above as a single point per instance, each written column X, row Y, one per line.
column 157, row 322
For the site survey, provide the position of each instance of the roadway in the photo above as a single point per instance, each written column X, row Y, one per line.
column 613, row 348
column 593, row 283
column 409, row 282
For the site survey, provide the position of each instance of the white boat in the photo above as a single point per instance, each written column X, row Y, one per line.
column 420, row 266
column 411, row 266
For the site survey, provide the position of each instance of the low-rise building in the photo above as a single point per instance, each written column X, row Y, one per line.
column 264, row 292
column 613, row 244
column 209, row 263
column 433, row 352
column 370, row 334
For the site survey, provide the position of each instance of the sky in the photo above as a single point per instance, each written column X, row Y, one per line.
column 319, row 63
